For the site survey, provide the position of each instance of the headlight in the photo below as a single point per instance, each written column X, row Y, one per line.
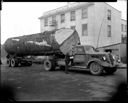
column 104, row 58
column 71, row 57
column 113, row 57
column 118, row 61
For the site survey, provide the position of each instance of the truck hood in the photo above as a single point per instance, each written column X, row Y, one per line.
column 98, row 53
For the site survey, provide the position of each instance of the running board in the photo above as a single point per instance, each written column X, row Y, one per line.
column 82, row 67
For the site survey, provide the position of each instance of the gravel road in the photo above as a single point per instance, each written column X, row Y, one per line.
column 35, row 84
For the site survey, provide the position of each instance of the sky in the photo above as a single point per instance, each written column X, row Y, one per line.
column 19, row 19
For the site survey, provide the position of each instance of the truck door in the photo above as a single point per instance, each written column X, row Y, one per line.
column 79, row 56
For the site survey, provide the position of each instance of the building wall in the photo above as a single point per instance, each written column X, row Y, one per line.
column 97, row 16
column 77, row 23
column 117, row 49
column 101, row 19
column 89, row 40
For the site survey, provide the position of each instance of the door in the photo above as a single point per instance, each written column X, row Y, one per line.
column 79, row 56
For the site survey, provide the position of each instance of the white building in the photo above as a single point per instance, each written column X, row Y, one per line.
column 97, row 24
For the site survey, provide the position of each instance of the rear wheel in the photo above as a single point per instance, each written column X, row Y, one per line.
column 110, row 70
column 9, row 62
column 49, row 65
column 96, row 68
column 13, row 62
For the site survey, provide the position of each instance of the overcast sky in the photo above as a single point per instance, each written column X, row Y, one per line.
column 22, row 18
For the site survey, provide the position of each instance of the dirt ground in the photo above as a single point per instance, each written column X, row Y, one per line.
column 35, row 84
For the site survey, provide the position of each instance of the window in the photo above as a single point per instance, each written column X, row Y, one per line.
column 46, row 22
column 80, row 50
column 84, row 29
column 84, row 13
column 72, row 16
column 122, row 26
column 62, row 18
column 89, row 49
column 109, row 14
column 126, row 28
column 73, row 27
column 109, row 30
column 124, row 38
column 53, row 18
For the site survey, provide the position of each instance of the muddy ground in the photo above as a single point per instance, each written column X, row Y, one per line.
column 35, row 84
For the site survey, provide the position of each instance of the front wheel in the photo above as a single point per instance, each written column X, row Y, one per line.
column 49, row 65
column 96, row 68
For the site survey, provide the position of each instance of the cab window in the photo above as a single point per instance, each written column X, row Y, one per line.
column 89, row 49
column 80, row 50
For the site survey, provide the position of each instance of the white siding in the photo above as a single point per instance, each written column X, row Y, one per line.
column 101, row 19
column 89, row 40
column 96, row 14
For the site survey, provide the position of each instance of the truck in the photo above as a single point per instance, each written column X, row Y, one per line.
column 55, row 45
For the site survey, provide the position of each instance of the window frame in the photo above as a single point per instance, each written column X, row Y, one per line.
column 122, row 27
column 84, row 13
column 109, row 31
column 62, row 18
column 53, row 18
column 73, row 15
column 109, row 14
column 73, row 27
column 46, row 22
column 125, row 28
column 83, row 30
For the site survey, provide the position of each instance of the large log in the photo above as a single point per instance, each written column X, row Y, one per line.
column 48, row 42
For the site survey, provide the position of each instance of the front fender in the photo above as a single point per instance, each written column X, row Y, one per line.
column 104, row 64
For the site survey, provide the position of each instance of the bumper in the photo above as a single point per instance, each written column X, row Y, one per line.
column 114, row 65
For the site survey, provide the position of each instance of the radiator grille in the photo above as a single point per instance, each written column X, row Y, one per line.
column 111, row 59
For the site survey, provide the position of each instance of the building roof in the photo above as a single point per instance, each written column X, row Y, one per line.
column 110, row 45
column 112, row 6
column 123, row 20
column 69, row 7
column 66, row 8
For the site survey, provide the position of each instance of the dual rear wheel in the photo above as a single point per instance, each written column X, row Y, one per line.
column 13, row 62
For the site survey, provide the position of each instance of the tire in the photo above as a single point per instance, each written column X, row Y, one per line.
column 110, row 70
column 49, row 65
column 96, row 68
column 13, row 62
column 9, row 62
